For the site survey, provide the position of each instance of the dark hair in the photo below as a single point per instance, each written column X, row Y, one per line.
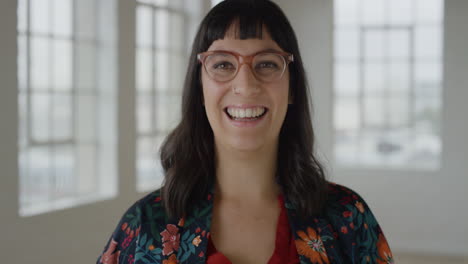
column 187, row 154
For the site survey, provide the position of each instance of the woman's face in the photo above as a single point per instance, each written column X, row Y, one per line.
column 245, row 95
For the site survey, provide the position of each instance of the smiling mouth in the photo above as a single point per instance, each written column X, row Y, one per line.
column 245, row 114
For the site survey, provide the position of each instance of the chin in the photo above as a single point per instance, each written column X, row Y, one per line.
column 247, row 145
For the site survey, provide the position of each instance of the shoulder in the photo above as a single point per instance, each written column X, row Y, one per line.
column 145, row 208
column 342, row 195
column 121, row 246
column 359, row 233
column 345, row 205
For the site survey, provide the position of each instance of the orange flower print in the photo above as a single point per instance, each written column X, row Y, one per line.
column 151, row 247
column 110, row 257
column 385, row 255
column 171, row 260
column 344, row 230
column 360, row 207
column 311, row 246
column 196, row 241
column 347, row 214
column 181, row 222
column 170, row 239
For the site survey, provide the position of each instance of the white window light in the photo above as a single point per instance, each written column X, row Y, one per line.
column 387, row 83
column 66, row 106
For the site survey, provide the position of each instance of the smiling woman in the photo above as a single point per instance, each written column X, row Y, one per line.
column 242, row 184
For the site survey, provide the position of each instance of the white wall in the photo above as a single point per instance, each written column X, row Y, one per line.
column 419, row 212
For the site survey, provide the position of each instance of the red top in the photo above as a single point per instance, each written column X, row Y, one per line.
column 285, row 249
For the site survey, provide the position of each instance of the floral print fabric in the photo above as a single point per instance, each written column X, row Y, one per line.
column 346, row 233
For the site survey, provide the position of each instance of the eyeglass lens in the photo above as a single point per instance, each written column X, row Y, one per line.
column 224, row 66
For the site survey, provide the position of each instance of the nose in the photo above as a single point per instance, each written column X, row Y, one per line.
column 245, row 83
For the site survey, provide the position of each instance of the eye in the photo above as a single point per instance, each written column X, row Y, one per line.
column 224, row 65
column 267, row 65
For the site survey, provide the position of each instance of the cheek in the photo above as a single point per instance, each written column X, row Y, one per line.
column 212, row 94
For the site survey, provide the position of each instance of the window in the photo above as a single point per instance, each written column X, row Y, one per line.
column 387, row 83
column 163, row 38
column 66, row 106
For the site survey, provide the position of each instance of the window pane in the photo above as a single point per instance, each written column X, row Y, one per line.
column 162, row 73
column 374, row 78
column 86, row 67
column 346, row 79
column 374, row 111
column 162, row 29
column 428, row 79
column 178, row 68
column 62, row 65
column 167, row 112
column 399, row 77
column 144, row 26
column 392, row 146
column 40, row 64
column 86, row 119
column 429, row 11
column 162, row 113
column 347, row 146
column 64, row 167
column 144, row 69
column 427, row 115
column 145, row 110
column 347, row 43
column 177, row 32
column 346, row 12
column 86, row 169
column 41, row 117
column 62, row 17
column 398, row 110
column 347, row 116
column 22, row 15
column 62, row 116
column 401, row 71
column 40, row 16
column 39, row 163
column 401, row 11
column 374, row 42
column 428, row 42
column 399, row 44
column 373, row 12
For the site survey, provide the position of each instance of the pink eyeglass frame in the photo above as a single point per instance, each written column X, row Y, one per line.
column 288, row 57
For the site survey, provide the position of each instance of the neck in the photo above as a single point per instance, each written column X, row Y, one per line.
column 246, row 177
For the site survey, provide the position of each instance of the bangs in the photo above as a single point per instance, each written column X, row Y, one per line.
column 242, row 19
column 237, row 27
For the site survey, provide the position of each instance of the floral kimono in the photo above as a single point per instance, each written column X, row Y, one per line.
column 346, row 233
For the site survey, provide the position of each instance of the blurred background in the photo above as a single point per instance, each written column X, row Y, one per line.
column 90, row 88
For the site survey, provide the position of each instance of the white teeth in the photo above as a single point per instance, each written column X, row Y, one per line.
column 246, row 113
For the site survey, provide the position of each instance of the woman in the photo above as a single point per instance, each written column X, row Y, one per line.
column 241, row 182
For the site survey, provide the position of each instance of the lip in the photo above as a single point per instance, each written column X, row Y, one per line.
column 244, row 124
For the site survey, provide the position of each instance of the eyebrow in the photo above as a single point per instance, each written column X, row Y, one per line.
column 260, row 51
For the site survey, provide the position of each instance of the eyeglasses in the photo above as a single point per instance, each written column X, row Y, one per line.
column 223, row 66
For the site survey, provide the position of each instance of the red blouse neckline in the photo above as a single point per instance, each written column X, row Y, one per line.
column 285, row 250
